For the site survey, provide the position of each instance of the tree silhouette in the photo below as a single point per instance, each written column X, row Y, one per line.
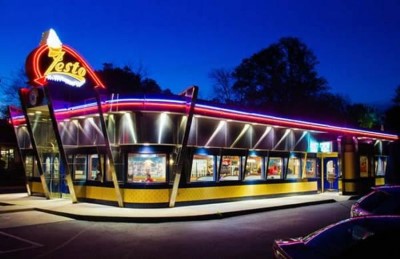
column 281, row 77
column 364, row 116
column 222, row 85
column 10, row 88
column 392, row 122
column 396, row 98
column 125, row 81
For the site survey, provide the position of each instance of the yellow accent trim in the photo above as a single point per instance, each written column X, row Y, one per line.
column 146, row 196
column 194, row 194
column 379, row 181
column 37, row 187
column 328, row 155
column 350, row 187
column 225, row 192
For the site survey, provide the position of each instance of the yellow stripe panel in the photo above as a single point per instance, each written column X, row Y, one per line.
column 379, row 181
column 224, row 192
column 350, row 187
column 80, row 191
column 129, row 195
column 95, row 192
column 193, row 194
column 146, row 195
column 37, row 187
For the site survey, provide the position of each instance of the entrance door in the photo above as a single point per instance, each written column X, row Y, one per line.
column 54, row 175
column 331, row 174
column 48, row 151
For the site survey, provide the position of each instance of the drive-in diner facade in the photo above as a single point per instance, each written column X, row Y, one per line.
column 80, row 142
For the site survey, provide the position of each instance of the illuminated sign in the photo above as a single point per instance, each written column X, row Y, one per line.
column 54, row 61
column 324, row 147
column 314, row 147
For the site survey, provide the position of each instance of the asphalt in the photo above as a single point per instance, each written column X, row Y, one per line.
column 17, row 202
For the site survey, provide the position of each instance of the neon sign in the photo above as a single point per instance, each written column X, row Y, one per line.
column 324, row 147
column 54, row 61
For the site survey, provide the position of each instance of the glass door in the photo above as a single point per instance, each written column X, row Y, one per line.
column 331, row 174
column 47, row 149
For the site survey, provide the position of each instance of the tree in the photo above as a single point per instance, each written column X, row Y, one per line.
column 396, row 98
column 281, row 77
column 222, row 84
column 329, row 108
column 392, row 122
column 124, row 80
column 391, row 119
column 364, row 116
column 10, row 88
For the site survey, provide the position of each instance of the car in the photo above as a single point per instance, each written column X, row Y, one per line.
column 382, row 200
column 357, row 237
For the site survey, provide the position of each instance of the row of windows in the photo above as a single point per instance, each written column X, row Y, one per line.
column 149, row 168
column 7, row 158
column 211, row 168
column 92, row 167
column 380, row 166
column 153, row 168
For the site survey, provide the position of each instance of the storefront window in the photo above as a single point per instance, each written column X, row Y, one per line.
column 95, row 170
column 230, row 168
column 380, row 166
column 47, row 164
column 29, row 166
column 274, row 168
column 311, row 168
column 253, row 168
column 202, row 168
column 56, row 167
column 80, row 168
column 363, row 166
column 36, row 172
column 147, row 168
column 294, row 168
column 7, row 156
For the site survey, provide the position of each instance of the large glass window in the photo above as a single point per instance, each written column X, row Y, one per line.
column 29, row 166
column 202, row 168
column 80, row 168
column 274, row 168
column 6, row 156
column 56, row 167
column 95, row 170
column 294, row 168
column 147, row 168
column 311, row 168
column 380, row 166
column 230, row 168
column 254, row 168
column 46, row 165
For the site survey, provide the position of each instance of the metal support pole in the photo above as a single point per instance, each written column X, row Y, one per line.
column 109, row 153
column 182, row 155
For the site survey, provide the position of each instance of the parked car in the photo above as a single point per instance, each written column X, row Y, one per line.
column 382, row 200
column 350, row 238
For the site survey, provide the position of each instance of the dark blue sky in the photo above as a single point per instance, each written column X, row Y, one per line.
column 179, row 42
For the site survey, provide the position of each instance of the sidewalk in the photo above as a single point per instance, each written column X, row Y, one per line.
column 14, row 202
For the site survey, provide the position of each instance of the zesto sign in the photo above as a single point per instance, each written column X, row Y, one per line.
column 54, row 61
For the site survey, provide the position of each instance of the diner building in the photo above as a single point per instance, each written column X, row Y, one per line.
column 79, row 141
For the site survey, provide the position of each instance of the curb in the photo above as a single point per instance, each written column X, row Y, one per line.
column 211, row 216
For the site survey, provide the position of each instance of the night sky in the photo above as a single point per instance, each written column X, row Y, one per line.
column 178, row 43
